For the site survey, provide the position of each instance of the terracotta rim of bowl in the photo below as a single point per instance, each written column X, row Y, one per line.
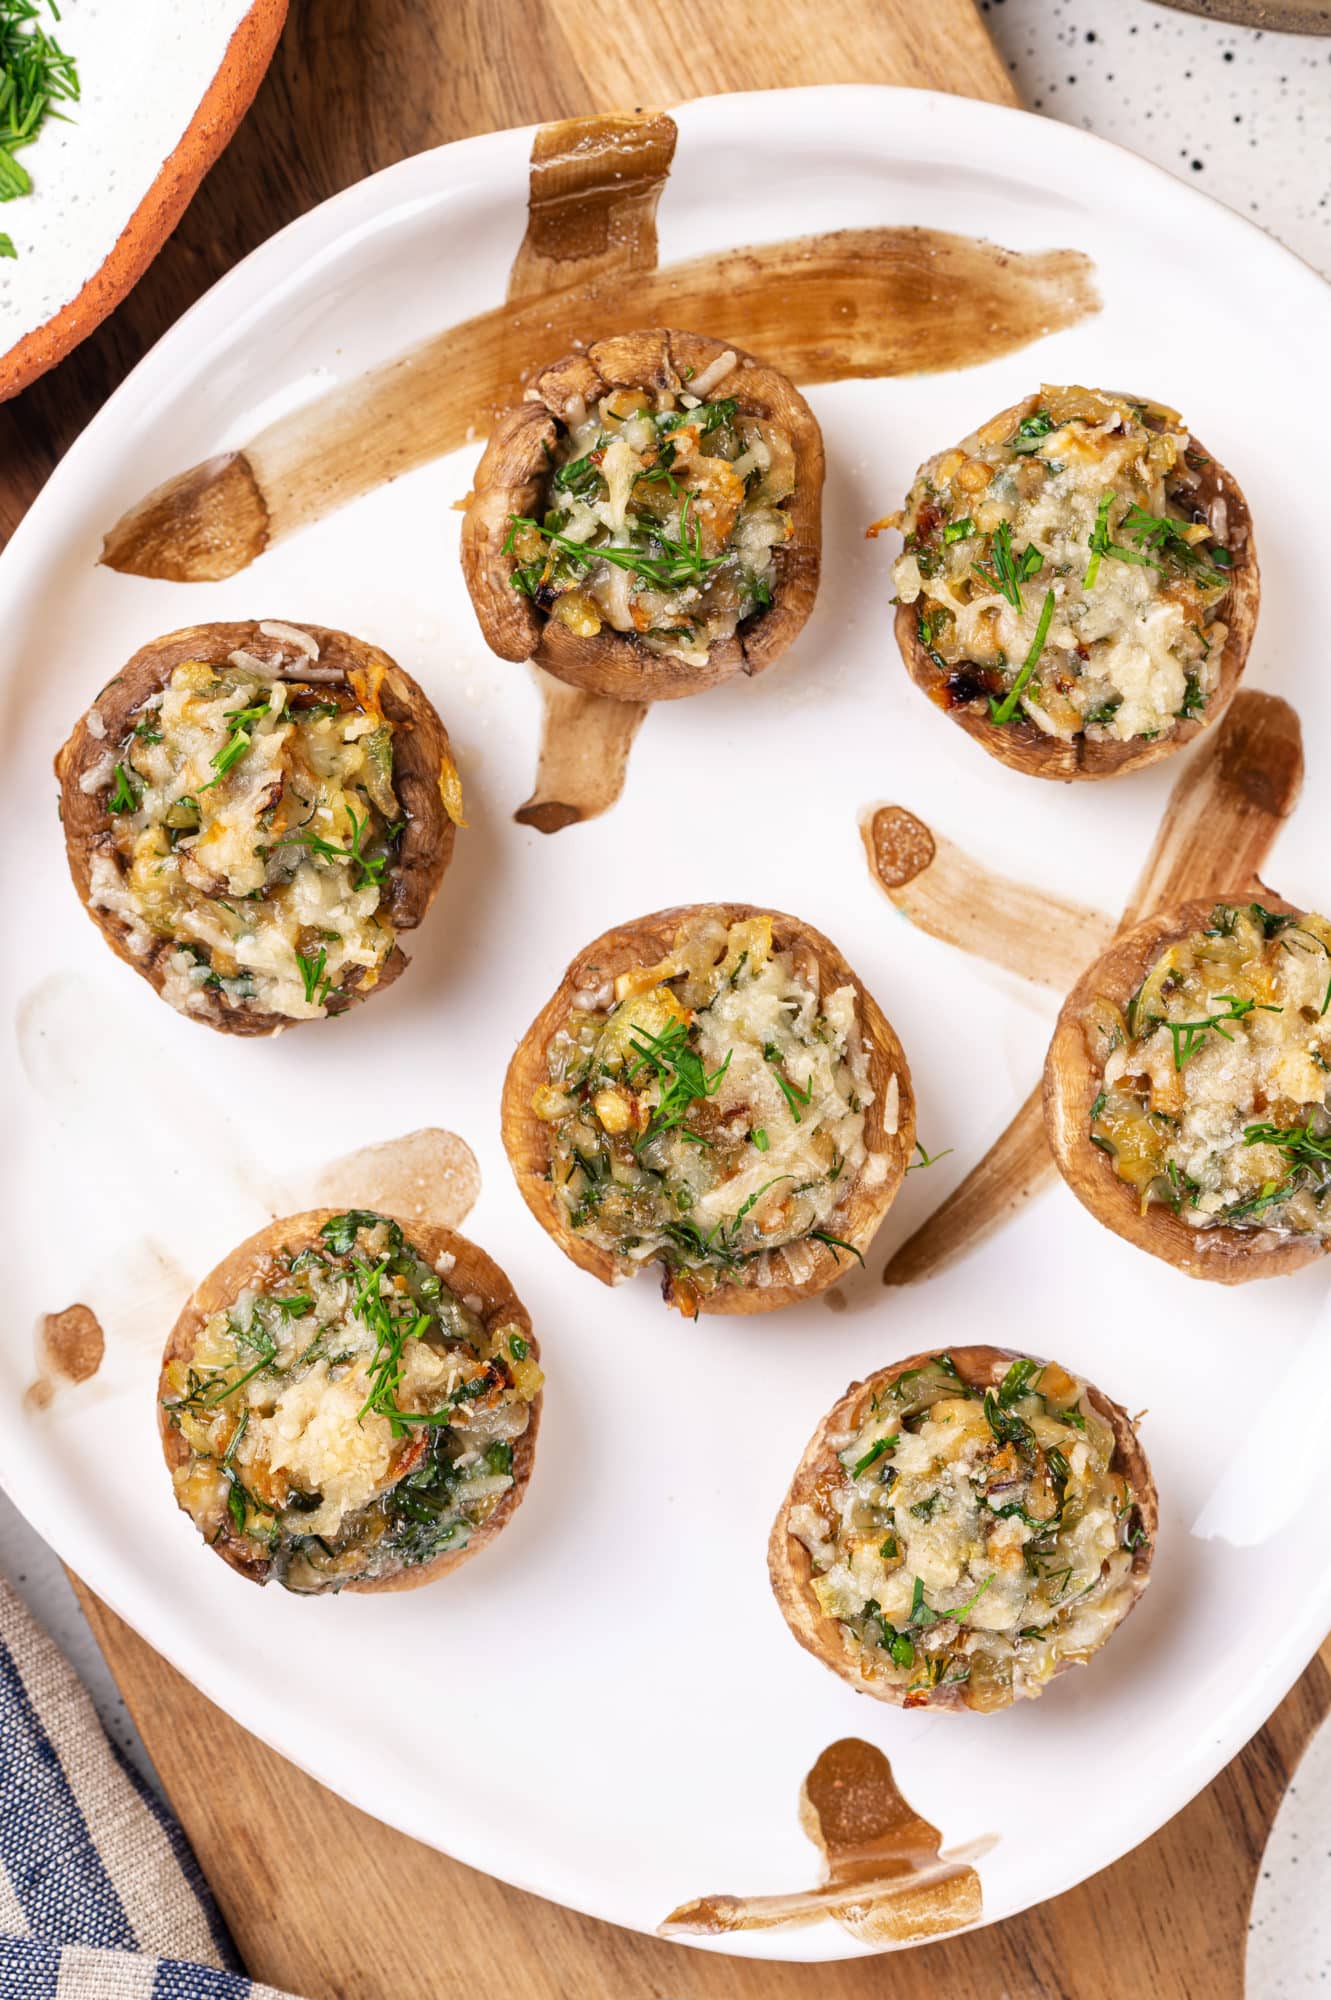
column 225, row 102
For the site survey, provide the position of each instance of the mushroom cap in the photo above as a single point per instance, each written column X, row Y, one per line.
column 1072, row 1080
column 511, row 477
column 646, row 941
column 420, row 749
column 1022, row 745
column 250, row 1264
column 790, row 1565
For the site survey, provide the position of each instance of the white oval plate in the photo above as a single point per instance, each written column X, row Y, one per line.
column 607, row 1708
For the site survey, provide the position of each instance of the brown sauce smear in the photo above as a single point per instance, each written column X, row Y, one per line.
column 1223, row 815
column 73, row 1343
column 824, row 308
column 1226, row 809
column 956, row 898
column 849, row 304
column 591, row 208
column 1017, row 1167
column 206, row 524
column 426, row 1176
column 899, row 846
column 885, row 1879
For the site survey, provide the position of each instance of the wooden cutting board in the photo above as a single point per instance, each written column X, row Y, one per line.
column 320, row 1899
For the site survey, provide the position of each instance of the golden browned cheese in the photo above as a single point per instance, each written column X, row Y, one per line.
column 646, row 522
column 1215, row 1076
column 255, row 814
column 1070, row 563
column 660, row 517
column 962, row 1529
column 252, row 820
column 724, row 1021
column 340, row 1409
column 710, row 1108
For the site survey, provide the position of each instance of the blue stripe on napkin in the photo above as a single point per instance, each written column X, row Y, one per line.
column 56, row 1871
column 100, row 1896
column 227, row 1955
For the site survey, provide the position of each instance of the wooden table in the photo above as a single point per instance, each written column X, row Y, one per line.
column 321, row 1899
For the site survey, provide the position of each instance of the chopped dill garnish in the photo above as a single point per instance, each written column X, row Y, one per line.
column 1003, row 711
column 35, row 76
column 125, row 793
column 678, row 564
column 684, row 1080
column 1007, row 572
column 313, row 977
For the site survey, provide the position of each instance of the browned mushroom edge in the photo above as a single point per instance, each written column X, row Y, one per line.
column 1021, row 744
column 821, row 1471
column 241, row 1534
column 510, row 481
column 1073, row 1077
column 424, row 778
column 806, row 1267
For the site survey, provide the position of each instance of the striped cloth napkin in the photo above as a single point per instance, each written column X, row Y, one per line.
column 100, row 1896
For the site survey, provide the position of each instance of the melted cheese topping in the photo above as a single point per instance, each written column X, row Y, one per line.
column 316, row 1436
column 303, row 1404
column 715, row 1113
column 691, row 494
column 252, row 820
column 1075, row 543
column 970, row 1538
column 1215, row 1095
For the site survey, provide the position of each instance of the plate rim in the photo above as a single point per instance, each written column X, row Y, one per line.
column 319, row 229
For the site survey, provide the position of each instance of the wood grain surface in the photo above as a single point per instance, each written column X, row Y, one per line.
column 322, row 1900
column 330, row 1904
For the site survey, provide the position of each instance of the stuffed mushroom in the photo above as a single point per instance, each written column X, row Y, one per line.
column 1078, row 586
column 963, row 1527
column 255, row 814
column 350, row 1403
column 1188, row 1088
column 647, row 522
column 711, row 1090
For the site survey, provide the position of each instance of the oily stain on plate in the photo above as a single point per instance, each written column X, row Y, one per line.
column 955, row 898
column 70, row 1346
column 426, row 1176
column 885, row 1879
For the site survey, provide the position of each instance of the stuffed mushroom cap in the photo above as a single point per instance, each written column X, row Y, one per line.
column 711, row 503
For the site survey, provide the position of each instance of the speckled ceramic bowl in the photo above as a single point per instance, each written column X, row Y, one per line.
column 1293, row 17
